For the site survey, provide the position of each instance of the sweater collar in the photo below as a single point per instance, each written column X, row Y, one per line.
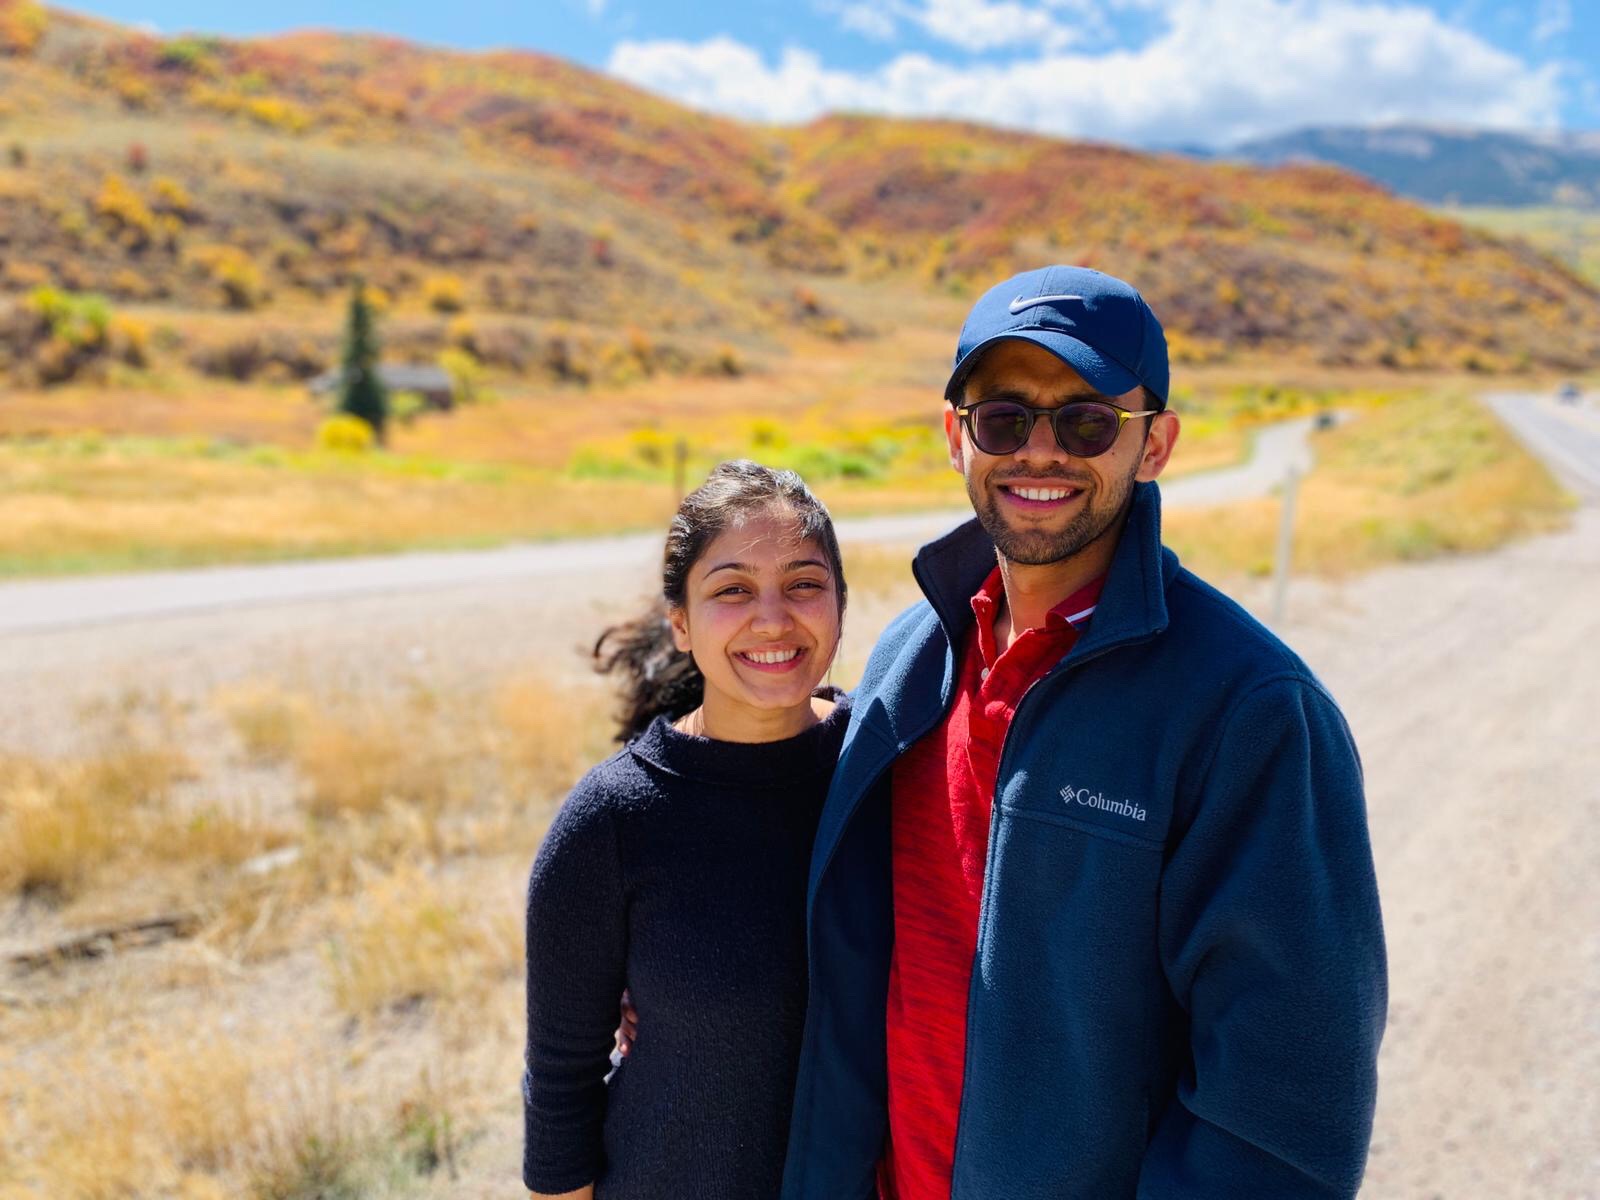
column 1132, row 607
column 746, row 765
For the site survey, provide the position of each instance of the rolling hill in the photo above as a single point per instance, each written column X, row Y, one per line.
column 557, row 222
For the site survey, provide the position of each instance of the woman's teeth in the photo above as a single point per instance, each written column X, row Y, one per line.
column 769, row 656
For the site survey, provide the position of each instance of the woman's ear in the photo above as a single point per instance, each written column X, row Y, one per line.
column 678, row 619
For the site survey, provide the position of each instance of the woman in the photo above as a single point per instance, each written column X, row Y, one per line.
column 677, row 868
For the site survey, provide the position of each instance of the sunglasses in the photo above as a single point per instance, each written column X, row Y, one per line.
column 1083, row 428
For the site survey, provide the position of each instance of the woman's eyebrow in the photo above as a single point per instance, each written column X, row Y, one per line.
column 749, row 570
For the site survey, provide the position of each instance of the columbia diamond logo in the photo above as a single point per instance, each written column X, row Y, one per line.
column 1086, row 798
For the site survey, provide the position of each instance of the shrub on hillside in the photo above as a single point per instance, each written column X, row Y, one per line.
column 466, row 375
column 54, row 336
column 234, row 272
column 123, row 213
column 22, row 24
column 268, row 354
column 444, row 293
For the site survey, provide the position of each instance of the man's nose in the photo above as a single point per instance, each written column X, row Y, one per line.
column 1041, row 445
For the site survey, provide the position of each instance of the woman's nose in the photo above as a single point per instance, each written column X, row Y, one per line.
column 772, row 614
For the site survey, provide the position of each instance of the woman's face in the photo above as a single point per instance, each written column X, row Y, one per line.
column 761, row 617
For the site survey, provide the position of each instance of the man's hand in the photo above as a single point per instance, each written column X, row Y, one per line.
column 628, row 1028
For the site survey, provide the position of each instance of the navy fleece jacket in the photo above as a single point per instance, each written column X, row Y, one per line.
column 1180, row 981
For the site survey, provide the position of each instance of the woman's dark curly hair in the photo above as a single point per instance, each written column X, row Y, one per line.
column 657, row 677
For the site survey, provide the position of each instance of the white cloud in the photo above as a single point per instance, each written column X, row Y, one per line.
column 875, row 21
column 973, row 25
column 1555, row 18
column 990, row 24
column 1221, row 70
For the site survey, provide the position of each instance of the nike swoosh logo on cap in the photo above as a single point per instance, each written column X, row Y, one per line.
column 1020, row 304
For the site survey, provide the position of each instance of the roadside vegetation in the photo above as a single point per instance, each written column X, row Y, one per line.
column 528, row 466
column 1415, row 475
column 288, row 967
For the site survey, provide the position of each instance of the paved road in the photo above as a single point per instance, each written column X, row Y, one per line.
column 72, row 603
column 1567, row 436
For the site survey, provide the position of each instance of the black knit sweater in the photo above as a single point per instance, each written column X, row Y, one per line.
column 677, row 869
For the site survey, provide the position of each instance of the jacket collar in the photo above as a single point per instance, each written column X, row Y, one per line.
column 1132, row 607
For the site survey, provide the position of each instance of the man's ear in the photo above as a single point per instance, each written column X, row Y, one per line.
column 678, row 619
column 1158, row 444
column 952, row 435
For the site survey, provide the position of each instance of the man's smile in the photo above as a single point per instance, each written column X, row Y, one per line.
column 1039, row 495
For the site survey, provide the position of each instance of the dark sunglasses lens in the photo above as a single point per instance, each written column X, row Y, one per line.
column 999, row 427
column 1086, row 430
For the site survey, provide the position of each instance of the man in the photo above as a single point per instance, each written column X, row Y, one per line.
column 1092, row 911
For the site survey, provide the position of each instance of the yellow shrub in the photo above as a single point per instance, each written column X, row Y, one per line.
column 444, row 293
column 22, row 24
column 234, row 272
column 130, row 340
column 345, row 434
column 125, row 210
column 466, row 374
column 171, row 196
column 462, row 332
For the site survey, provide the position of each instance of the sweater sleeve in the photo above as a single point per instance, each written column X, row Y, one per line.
column 577, row 949
column 1271, row 940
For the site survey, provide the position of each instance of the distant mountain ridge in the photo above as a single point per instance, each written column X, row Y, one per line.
column 1444, row 165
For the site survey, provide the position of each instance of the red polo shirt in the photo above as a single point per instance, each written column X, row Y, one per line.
column 942, row 793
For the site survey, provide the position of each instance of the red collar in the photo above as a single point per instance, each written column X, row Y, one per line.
column 1068, row 616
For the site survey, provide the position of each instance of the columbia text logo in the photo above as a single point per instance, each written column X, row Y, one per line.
column 1088, row 799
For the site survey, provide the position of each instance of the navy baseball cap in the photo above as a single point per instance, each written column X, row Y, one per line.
column 1096, row 324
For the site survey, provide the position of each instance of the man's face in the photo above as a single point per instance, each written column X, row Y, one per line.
column 1040, row 504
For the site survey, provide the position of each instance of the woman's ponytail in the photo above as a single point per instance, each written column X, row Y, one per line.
column 658, row 679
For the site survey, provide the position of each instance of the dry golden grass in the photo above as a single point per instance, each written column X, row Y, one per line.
column 62, row 823
column 1428, row 474
column 406, row 940
column 359, row 763
column 267, row 720
column 197, row 1107
column 206, row 1083
column 547, row 734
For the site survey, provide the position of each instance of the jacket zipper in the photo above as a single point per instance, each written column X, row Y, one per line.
column 1060, row 670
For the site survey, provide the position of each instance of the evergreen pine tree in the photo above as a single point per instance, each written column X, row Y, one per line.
column 361, row 392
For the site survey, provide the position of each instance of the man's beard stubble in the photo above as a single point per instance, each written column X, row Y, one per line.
column 1038, row 547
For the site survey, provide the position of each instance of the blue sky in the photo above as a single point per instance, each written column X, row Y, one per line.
column 1146, row 72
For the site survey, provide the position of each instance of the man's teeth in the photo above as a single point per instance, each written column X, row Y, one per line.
column 770, row 656
column 1042, row 493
